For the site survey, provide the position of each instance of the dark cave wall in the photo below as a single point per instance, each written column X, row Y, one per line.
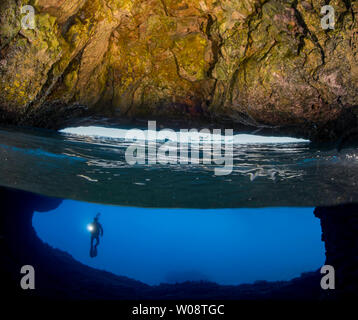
column 340, row 235
column 252, row 62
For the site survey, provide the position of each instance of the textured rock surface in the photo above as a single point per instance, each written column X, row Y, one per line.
column 258, row 62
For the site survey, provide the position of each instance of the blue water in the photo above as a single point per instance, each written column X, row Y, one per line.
column 210, row 241
column 227, row 246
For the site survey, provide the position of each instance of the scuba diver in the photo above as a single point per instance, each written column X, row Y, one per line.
column 96, row 231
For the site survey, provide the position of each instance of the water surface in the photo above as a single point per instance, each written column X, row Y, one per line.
column 93, row 168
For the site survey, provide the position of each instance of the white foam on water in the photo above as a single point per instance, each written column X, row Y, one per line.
column 115, row 133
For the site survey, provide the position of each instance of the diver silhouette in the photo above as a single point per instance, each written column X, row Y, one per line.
column 96, row 231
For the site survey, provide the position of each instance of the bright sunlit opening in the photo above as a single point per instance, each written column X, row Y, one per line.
column 115, row 133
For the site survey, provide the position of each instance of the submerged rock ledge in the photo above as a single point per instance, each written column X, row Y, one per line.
column 262, row 63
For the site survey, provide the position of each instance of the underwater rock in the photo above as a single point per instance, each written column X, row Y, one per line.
column 252, row 62
column 339, row 233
